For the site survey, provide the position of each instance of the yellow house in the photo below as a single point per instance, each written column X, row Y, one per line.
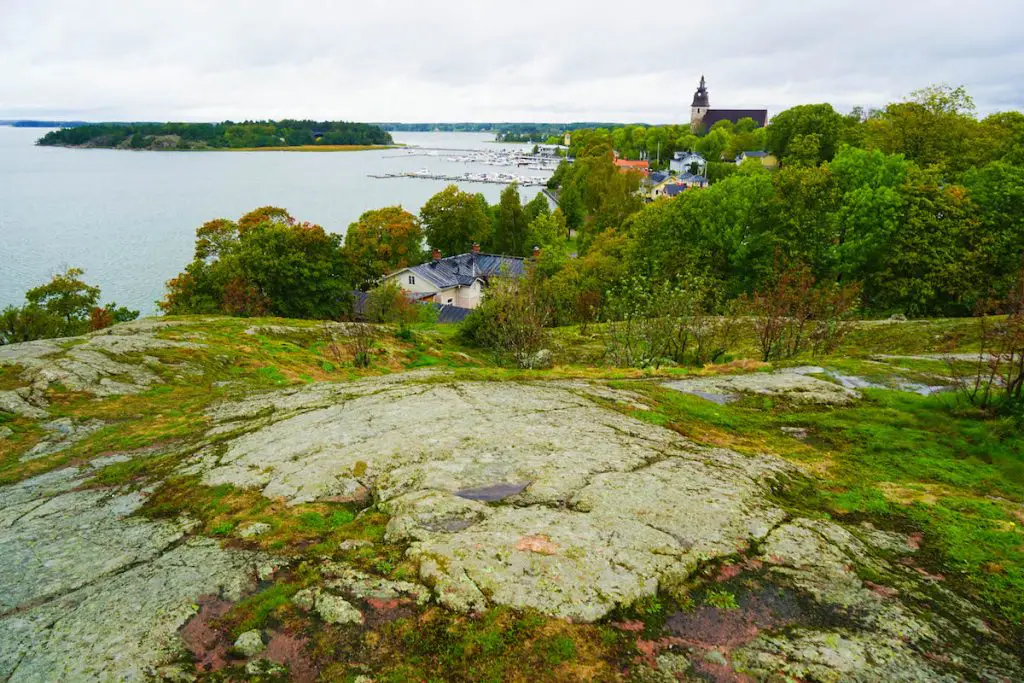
column 767, row 159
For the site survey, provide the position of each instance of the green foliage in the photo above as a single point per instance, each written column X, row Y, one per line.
column 511, row 227
column 285, row 133
column 722, row 599
column 315, row 521
column 808, row 134
column 66, row 296
column 454, row 220
column 65, row 306
column 652, row 323
column 266, row 263
column 383, row 241
column 510, row 320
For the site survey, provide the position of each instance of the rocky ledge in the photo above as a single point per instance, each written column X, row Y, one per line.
column 552, row 496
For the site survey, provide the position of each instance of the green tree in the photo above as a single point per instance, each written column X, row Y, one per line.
column 538, row 206
column 803, row 120
column 510, row 230
column 936, row 127
column 383, row 241
column 454, row 220
column 63, row 307
column 66, row 297
column 278, row 266
column 571, row 204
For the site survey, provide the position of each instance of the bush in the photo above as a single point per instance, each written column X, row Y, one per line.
column 63, row 307
column 668, row 322
column 996, row 377
column 795, row 314
column 510, row 321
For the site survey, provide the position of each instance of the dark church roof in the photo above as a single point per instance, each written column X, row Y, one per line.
column 713, row 116
column 700, row 98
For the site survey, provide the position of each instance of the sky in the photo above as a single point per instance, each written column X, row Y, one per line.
column 479, row 60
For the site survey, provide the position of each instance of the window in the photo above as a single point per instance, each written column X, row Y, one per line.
column 412, row 279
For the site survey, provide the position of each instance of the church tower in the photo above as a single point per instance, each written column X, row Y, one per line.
column 699, row 107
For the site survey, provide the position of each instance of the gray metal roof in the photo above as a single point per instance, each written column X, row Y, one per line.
column 464, row 269
column 754, row 154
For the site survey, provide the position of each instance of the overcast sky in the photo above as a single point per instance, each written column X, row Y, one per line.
column 479, row 60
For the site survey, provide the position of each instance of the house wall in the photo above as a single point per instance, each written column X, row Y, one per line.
column 422, row 286
column 469, row 297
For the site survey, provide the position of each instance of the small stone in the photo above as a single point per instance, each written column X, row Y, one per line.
column 255, row 529
column 898, row 318
column 305, row 598
column 716, row 657
column 362, row 679
column 354, row 543
column 795, row 432
column 6, row 432
column 336, row 610
column 537, row 361
column 250, row 643
column 265, row 571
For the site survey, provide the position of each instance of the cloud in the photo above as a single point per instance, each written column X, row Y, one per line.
column 457, row 60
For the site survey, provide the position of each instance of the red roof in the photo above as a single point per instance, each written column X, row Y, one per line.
column 628, row 165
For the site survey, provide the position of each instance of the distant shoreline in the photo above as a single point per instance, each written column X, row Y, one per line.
column 280, row 148
column 304, row 148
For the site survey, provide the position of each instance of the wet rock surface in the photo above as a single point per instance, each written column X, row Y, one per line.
column 795, row 386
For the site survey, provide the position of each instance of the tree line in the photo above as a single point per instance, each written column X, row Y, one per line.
column 225, row 135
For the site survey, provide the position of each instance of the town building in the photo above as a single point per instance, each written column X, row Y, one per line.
column 456, row 280
column 626, row 165
column 683, row 162
column 703, row 117
column 767, row 159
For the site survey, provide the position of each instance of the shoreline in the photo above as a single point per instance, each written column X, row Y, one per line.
column 279, row 148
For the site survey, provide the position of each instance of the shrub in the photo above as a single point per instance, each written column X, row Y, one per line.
column 510, row 321
column 653, row 324
column 996, row 377
column 795, row 313
column 63, row 307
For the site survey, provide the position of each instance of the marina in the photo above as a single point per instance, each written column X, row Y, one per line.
column 468, row 177
column 503, row 157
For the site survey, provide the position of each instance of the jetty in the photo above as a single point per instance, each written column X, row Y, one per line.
column 494, row 178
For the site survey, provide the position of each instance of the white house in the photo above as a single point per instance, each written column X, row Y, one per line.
column 456, row 280
column 682, row 162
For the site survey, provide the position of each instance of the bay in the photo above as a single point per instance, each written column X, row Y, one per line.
column 129, row 218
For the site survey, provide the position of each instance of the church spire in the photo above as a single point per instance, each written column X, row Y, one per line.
column 700, row 98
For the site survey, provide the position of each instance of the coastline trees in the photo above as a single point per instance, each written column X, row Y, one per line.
column 266, row 263
column 63, row 307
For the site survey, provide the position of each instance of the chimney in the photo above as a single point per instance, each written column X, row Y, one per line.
column 436, row 255
column 536, row 252
column 476, row 248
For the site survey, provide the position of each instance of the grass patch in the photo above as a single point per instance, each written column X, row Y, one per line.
column 898, row 459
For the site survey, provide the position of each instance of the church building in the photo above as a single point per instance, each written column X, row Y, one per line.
column 702, row 117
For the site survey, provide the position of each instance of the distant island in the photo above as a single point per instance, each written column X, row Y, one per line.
column 228, row 135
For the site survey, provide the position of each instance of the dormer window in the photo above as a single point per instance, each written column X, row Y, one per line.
column 412, row 279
